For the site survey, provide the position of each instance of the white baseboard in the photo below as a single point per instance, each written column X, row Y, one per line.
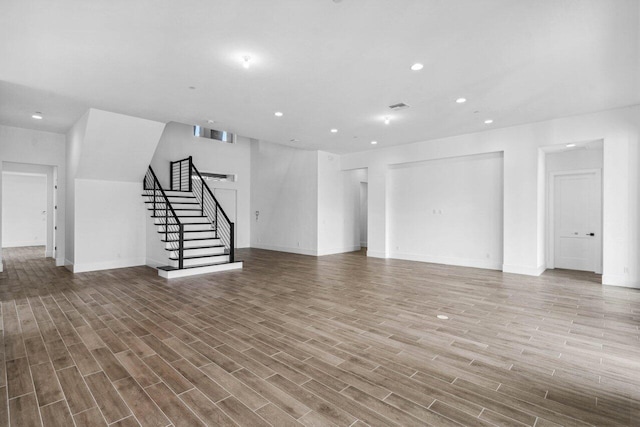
column 60, row 262
column 363, row 244
column 48, row 254
column 376, row 254
column 107, row 265
column 619, row 280
column 1, row 266
column 524, row 270
column 22, row 244
column 339, row 250
column 300, row 251
column 460, row 262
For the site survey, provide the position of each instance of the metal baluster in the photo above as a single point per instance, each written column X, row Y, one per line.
column 231, row 243
column 154, row 197
column 216, row 224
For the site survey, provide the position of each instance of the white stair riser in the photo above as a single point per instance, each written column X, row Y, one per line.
column 200, row 270
column 183, row 220
column 201, row 261
column 186, row 213
column 200, row 235
column 187, row 227
column 194, row 243
column 195, row 252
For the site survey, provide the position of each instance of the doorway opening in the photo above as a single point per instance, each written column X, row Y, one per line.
column 29, row 207
column 574, row 207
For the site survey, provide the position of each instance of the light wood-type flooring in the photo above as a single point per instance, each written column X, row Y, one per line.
column 297, row 340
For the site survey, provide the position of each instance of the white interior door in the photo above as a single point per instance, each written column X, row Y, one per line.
column 577, row 221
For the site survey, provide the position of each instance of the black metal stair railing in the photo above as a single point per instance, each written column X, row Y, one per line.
column 164, row 213
column 223, row 227
column 180, row 179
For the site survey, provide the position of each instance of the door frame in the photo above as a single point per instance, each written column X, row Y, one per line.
column 551, row 215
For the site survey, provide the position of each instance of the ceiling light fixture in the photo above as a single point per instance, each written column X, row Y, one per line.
column 488, row 122
column 374, row 142
column 334, row 130
column 461, row 100
column 571, row 145
column 417, row 67
column 387, row 120
column 37, row 115
column 442, row 317
column 246, row 61
column 278, row 114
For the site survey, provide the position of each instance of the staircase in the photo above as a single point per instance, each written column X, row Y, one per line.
column 197, row 234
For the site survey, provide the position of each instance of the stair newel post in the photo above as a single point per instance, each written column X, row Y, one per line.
column 190, row 171
column 231, row 242
column 181, row 247
column 171, row 175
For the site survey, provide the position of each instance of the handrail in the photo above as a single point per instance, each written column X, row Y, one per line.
column 167, row 207
column 204, row 184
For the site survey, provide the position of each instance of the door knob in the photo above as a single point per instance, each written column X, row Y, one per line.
column 591, row 234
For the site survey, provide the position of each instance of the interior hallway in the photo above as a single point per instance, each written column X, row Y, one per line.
column 293, row 339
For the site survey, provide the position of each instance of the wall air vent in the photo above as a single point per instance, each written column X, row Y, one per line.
column 399, row 106
column 218, row 135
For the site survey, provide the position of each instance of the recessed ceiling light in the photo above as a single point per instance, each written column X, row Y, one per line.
column 387, row 120
column 192, row 87
column 417, row 67
column 37, row 116
column 211, row 121
column 334, row 130
column 488, row 122
column 294, row 140
column 374, row 142
column 571, row 145
column 278, row 114
column 442, row 317
column 246, row 61
column 461, row 100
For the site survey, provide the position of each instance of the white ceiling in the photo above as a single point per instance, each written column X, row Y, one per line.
column 325, row 64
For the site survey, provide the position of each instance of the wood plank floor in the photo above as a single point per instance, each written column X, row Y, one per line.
column 296, row 340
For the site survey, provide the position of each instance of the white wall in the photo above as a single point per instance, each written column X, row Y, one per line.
column 338, row 206
column 284, row 188
column 38, row 148
column 107, row 156
column 110, row 226
column 576, row 159
column 447, row 211
column 177, row 142
column 74, row 141
column 25, row 200
column 619, row 129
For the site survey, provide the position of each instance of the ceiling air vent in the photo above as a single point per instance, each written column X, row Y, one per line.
column 218, row 135
column 399, row 106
